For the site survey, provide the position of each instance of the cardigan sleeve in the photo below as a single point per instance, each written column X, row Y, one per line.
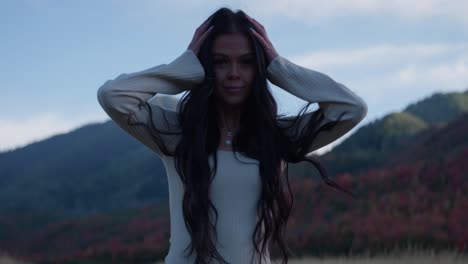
column 315, row 87
column 124, row 98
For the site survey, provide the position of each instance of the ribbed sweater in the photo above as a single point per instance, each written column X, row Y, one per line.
column 236, row 187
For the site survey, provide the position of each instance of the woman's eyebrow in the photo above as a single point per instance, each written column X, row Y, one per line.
column 249, row 54
column 224, row 55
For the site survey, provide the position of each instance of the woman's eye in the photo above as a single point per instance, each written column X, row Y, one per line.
column 218, row 61
column 222, row 61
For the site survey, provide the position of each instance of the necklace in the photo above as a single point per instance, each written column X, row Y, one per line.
column 229, row 132
column 228, row 140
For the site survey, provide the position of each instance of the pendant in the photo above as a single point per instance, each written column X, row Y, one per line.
column 228, row 141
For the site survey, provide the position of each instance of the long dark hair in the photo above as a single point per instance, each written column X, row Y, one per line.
column 260, row 136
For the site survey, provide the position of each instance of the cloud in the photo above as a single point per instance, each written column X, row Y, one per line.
column 313, row 11
column 454, row 72
column 444, row 66
column 385, row 54
column 389, row 77
column 21, row 132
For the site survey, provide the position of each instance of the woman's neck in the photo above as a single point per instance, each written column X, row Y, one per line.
column 229, row 118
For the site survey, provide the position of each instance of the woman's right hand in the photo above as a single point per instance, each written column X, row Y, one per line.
column 200, row 35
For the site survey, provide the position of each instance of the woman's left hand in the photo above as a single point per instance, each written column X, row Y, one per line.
column 261, row 35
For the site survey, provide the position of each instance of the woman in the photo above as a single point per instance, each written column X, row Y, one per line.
column 224, row 146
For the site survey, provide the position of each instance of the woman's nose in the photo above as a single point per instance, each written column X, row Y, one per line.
column 234, row 70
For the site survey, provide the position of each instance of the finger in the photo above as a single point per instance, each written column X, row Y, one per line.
column 202, row 38
column 260, row 38
column 205, row 35
column 260, row 31
column 205, row 25
column 258, row 27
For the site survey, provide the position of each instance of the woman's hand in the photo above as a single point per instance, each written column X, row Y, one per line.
column 199, row 37
column 261, row 35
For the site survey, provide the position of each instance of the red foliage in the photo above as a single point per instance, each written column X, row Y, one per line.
column 424, row 204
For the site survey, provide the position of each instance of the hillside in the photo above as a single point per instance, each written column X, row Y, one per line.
column 373, row 145
column 95, row 168
column 96, row 192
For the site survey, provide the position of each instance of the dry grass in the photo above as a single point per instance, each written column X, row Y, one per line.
column 6, row 259
column 400, row 258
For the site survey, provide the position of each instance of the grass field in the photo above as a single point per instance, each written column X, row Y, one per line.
column 5, row 259
column 403, row 258
column 446, row 258
column 406, row 258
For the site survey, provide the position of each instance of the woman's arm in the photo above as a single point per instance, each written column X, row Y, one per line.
column 312, row 86
column 123, row 98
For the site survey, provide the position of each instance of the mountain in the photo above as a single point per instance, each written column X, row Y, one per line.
column 100, row 168
column 79, row 194
column 434, row 144
column 376, row 143
column 95, row 168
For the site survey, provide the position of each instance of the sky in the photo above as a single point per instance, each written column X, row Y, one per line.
column 56, row 54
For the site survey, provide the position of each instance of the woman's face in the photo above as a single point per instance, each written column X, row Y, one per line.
column 234, row 68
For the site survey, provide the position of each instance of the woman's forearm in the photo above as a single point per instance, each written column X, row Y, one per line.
column 315, row 87
column 124, row 93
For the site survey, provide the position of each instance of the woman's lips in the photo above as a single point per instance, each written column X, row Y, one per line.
column 233, row 89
